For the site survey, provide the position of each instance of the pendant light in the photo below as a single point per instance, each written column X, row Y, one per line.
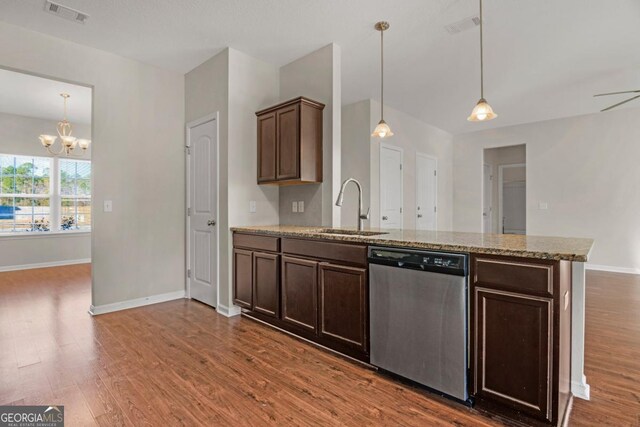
column 482, row 112
column 382, row 130
column 64, row 128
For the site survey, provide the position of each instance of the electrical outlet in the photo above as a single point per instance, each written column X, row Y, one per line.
column 252, row 206
column 294, row 207
column 301, row 206
column 108, row 206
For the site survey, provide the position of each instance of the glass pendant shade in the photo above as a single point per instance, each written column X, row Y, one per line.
column 47, row 140
column 84, row 143
column 382, row 130
column 69, row 141
column 482, row 112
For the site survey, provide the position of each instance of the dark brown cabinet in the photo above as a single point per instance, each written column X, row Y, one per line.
column 343, row 305
column 290, row 143
column 300, row 292
column 266, row 277
column 521, row 340
column 243, row 278
column 267, row 163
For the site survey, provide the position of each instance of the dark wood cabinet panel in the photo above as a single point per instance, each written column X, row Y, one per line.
column 288, row 120
column 290, row 143
column 515, row 275
column 340, row 252
column 299, row 286
column 513, row 350
column 343, row 304
column 266, row 279
column 267, row 147
column 521, row 337
column 254, row 241
column 243, row 278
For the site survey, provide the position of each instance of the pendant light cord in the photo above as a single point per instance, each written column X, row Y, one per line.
column 382, row 74
column 481, row 57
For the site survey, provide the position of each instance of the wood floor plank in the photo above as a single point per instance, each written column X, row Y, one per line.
column 180, row 363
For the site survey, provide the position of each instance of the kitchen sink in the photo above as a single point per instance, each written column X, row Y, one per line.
column 350, row 232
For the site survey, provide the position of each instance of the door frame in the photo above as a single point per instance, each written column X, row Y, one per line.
column 501, row 169
column 188, row 127
column 484, row 192
column 394, row 148
column 434, row 158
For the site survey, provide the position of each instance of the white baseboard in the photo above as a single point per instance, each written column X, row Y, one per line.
column 228, row 312
column 133, row 303
column 581, row 389
column 44, row 265
column 612, row 268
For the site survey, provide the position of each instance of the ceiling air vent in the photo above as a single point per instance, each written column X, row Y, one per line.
column 65, row 12
column 463, row 25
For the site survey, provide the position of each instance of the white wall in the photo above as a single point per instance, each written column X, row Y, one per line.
column 361, row 157
column 236, row 86
column 316, row 76
column 584, row 168
column 138, row 119
column 19, row 135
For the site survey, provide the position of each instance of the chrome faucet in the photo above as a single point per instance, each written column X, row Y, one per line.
column 361, row 217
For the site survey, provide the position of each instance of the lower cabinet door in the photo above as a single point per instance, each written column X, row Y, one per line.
column 300, row 293
column 513, row 351
column 243, row 278
column 342, row 295
column 266, row 277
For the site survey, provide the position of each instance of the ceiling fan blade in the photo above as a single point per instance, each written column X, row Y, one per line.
column 620, row 103
column 618, row 93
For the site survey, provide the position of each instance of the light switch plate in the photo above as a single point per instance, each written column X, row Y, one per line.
column 301, row 206
column 108, row 206
column 294, row 207
column 543, row 205
column 252, row 206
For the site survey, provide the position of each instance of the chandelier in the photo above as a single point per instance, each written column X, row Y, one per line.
column 67, row 142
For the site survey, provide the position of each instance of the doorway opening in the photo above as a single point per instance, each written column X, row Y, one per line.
column 504, row 190
column 45, row 189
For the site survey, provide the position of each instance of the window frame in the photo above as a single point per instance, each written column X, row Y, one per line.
column 55, row 200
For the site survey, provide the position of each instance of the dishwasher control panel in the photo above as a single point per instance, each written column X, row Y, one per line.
column 420, row 260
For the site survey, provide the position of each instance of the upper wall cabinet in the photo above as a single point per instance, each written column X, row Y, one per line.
column 290, row 143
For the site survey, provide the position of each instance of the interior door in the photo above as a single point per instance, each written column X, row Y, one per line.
column 390, row 186
column 487, row 192
column 426, row 192
column 202, row 210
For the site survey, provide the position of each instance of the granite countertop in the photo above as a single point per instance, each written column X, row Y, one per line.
column 541, row 247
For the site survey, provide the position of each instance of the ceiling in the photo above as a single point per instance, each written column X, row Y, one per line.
column 544, row 59
column 32, row 96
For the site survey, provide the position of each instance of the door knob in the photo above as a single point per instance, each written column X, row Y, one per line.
column 384, row 218
column 211, row 222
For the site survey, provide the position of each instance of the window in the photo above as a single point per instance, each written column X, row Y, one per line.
column 30, row 201
column 75, row 194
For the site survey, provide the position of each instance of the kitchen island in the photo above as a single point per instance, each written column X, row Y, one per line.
column 313, row 282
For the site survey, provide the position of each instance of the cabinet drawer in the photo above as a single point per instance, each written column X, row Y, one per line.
column 344, row 253
column 253, row 241
column 513, row 274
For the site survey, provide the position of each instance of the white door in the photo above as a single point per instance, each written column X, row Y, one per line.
column 390, row 186
column 426, row 192
column 202, row 211
column 487, row 191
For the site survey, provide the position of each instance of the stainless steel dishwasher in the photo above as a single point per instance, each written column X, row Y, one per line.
column 418, row 309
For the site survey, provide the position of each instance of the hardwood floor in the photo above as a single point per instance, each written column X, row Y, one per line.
column 180, row 363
